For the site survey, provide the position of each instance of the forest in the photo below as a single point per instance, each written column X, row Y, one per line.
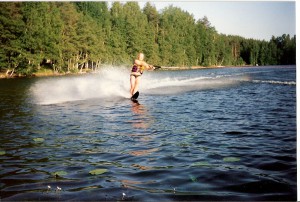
column 81, row 36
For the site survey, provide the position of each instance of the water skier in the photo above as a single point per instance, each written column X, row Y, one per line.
column 137, row 71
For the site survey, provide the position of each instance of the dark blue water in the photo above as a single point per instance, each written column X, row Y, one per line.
column 214, row 134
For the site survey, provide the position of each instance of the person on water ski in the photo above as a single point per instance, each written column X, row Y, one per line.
column 137, row 71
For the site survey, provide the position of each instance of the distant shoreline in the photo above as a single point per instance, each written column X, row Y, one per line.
column 50, row 73
column 201, row 67
column 41, row 74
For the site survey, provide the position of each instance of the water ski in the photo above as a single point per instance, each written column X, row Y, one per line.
column 135, row 96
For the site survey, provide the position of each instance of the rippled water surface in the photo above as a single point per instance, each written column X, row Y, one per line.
column 214, row 134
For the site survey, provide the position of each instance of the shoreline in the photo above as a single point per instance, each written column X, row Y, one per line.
column 41, row 74
column 202, row 67
column 50, row 73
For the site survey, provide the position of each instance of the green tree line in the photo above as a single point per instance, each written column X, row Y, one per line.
column 76, row 36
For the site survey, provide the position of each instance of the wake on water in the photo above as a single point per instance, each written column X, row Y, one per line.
column 113, row 82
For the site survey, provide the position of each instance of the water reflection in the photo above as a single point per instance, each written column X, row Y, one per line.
column 142, row 119
column 135, row 184
column 145, row 152
column 141, row 123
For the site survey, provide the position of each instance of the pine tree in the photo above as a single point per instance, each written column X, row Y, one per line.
column 11, row 30
column 209, row 55
column 136, row 26
column 151, row 47
column 41, row 37
column 117, row 40
column 68, row 42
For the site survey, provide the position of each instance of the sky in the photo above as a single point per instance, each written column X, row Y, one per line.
column 250, row 19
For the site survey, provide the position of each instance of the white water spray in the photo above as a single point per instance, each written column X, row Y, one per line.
column 108, row 82
column 167, row 85
column 113, row 82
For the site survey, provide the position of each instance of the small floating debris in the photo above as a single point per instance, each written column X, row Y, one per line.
column 201, row 163
column 193, row 178
column 174, row 189
column 58, row 188
column 48, row 188
column 59, row 173
column 39, row 139
column 98, row 171
column 231, row 159
column 2, row 152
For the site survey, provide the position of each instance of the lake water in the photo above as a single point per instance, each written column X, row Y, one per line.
column 212, row 134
